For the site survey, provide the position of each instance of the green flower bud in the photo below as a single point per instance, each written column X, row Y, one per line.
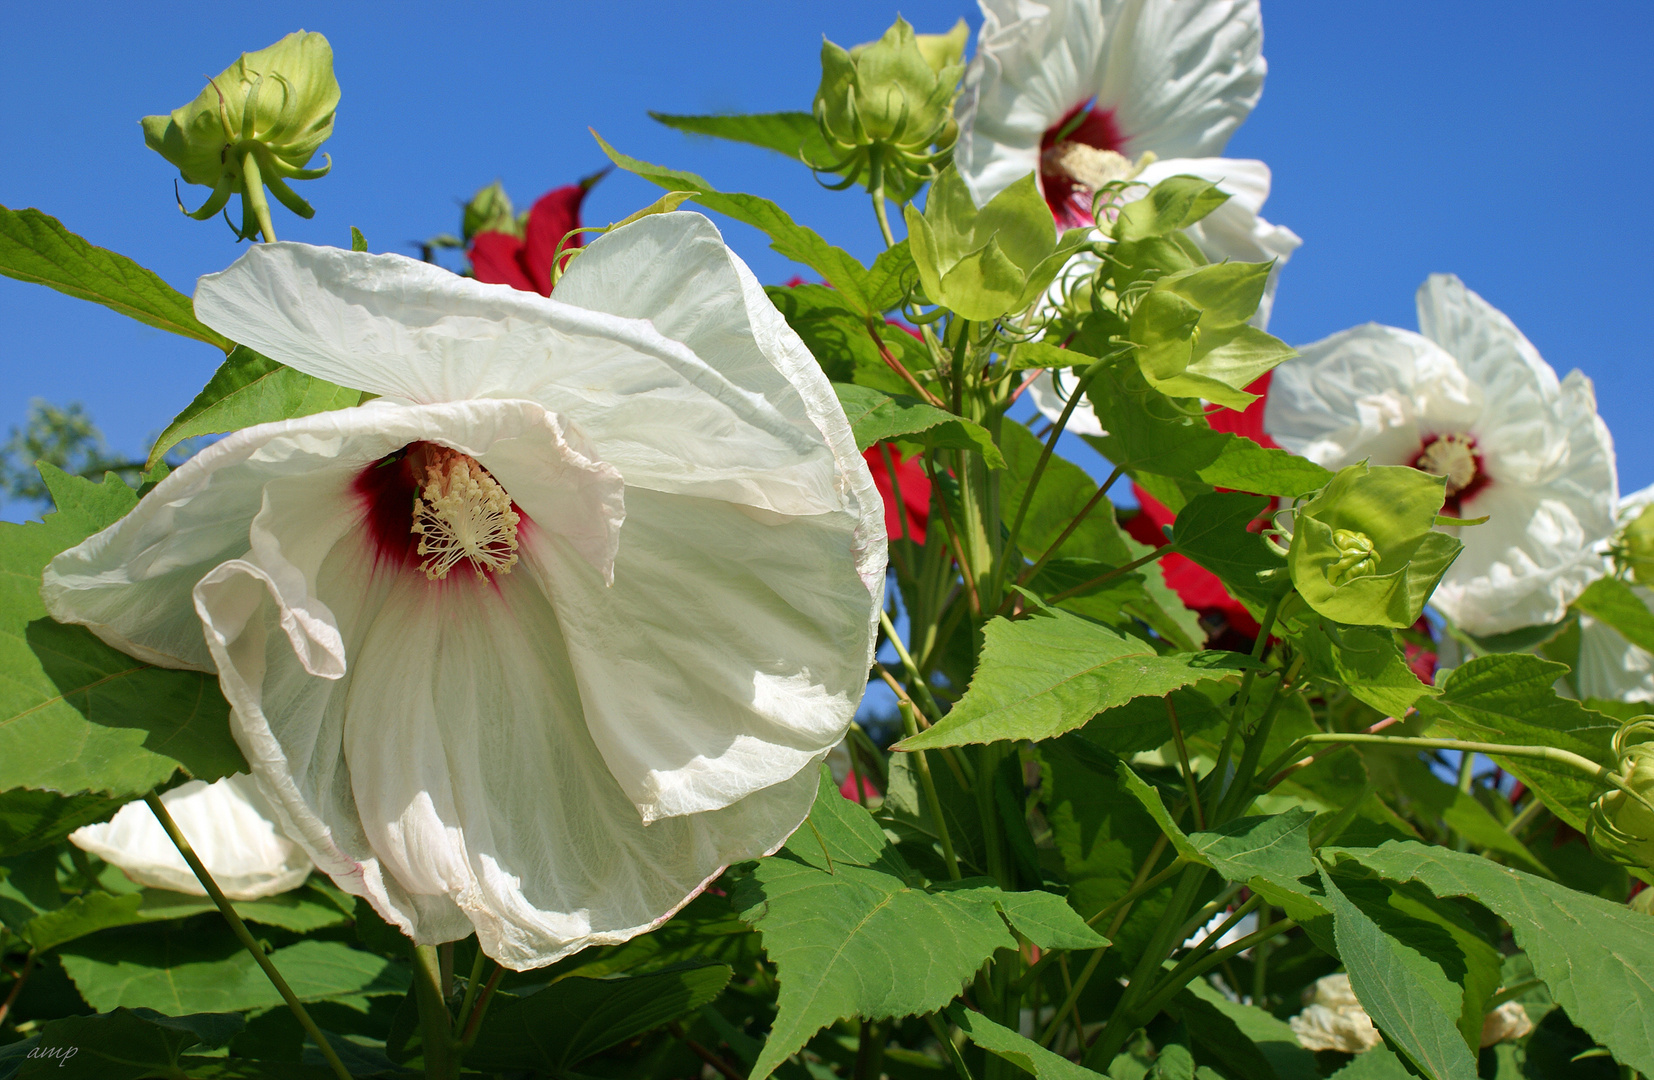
column 1634, row 548
column 490, row 211
column 942, row 51
column 1621, row 825
column 986, row 262
column 1364, row 551
column 256, row 125
column 882, row 106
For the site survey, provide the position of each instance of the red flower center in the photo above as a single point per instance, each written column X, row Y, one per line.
column 1454, row 457
column 1085, row 124
column 435, row 510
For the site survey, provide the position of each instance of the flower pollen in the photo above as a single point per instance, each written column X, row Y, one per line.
column 1068, row 194
column 1452, row 456
column 462, row 513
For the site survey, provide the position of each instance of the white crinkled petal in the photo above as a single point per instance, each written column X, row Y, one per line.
column 229, row 825
column 1178, row 78
column 727, row 656
column 450, row 776
column 1367, row 393
column 1611, row 667
column 662, row 414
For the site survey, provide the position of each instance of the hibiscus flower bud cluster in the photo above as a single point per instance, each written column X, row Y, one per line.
column 255, row 126
column 1621, row 825
column 1364, row 551
column 1633, row 549
column 886, row 107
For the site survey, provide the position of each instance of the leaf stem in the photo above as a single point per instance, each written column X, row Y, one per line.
column 928, row 784
column 1181, row 977
column 1101, row 579
column 921, row 689
column 899, row 368
column 436, row 1026
column 469, row 1037
column 473, row 983
column 244, row 935
column 940, row 1030
column 1183, row 760
column 1079, row 519
column 875, row 176
column 17, row 986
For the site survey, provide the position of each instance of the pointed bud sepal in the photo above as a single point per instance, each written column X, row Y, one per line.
column 984, row 263
column 1364, row 551
column 256, row 126
column 886, row 108
column 1621, row 825
column 490, row 210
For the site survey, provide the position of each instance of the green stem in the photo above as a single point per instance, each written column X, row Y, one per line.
column 869, row 1051
column 1260, row 965
column 1079, row 519
column 253, row 193
column 1183, row 760
column 472, row 1029
column 1510, row 993
column 1214, row 784
column 940, row 1030
column 921, row 690
column 436, row 1026
column 473, row 983
column 1525, row 816
column 1169, row 989
column 244, row 935
column 875, row 171
column 1239, row 796
column 1100, row 579
column 1071, row 1000
column 1121, row 1023
column 17, row 986
column 928, row 784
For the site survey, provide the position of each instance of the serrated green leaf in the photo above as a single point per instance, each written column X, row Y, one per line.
column 1025, row 1054
column 875, row 417
column 1379, row 1063
column 556, row 1028
column 1408, row 996
column 1052, row 672
column 77, row 716
column 250, row 389
column 854, row 931
column 82, row 915
column 1594, row 955
column 300, row 910
column 36, row 247
column 1365, row 659
column 199, row 966
column 1461, row 812
column 1147, row 433
column 1510, row 698
column 794, row 135
column 1047, row 920
column 1251, row 1044
column 837, row 337
column 892, row 276
column 1142, row 723
column 126, row 1044
column 1064, row 489
column 1211, row 531
column 35, row 819
column 787, row 237
column 1612, row 601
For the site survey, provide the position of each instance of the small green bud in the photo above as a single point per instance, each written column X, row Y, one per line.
column 883, row 105
column 490, row 211
column 1634, row 547
column 983, row 263
column 1364, row 550
column 1621, row 825
column 256, row 125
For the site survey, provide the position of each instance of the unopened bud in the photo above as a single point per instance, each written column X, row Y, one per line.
column 1621, row 825
column 490, row 210
column 256, row 125
column 1356, row 556
column 1634, row 549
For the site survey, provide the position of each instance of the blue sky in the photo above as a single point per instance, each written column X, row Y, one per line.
column 1507, row 142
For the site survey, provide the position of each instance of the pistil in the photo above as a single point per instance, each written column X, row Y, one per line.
column 463, row 514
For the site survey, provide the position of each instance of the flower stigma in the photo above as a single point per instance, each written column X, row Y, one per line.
column 1356, row 557
column 1452, row 456
column 462, row 513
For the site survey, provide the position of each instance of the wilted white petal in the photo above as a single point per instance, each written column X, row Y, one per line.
column 1506, row 1023
column 229, row 825
column 1333, row 1019
column 1471, row 391
column 1609, row 666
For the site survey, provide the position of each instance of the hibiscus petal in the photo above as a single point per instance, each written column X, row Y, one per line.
column 497, row 259
column 761, row 682
column 1177, row 79
column 227, row 822
column 415, row 332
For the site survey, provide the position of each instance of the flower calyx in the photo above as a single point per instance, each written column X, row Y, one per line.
column 1621, row 825
column 1633, row 548
column 1364, row 551
column 255, row 126
column 989, row 261
column 886, row 107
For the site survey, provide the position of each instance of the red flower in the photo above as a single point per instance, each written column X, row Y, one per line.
column 503, row 259
column 1200, row 589
column 915, row 485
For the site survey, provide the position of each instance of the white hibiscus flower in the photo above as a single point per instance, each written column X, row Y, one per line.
column 543, row 638
column 1610, row 666
column 229, row 825
column 1469, row 398
column 1076, row 90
